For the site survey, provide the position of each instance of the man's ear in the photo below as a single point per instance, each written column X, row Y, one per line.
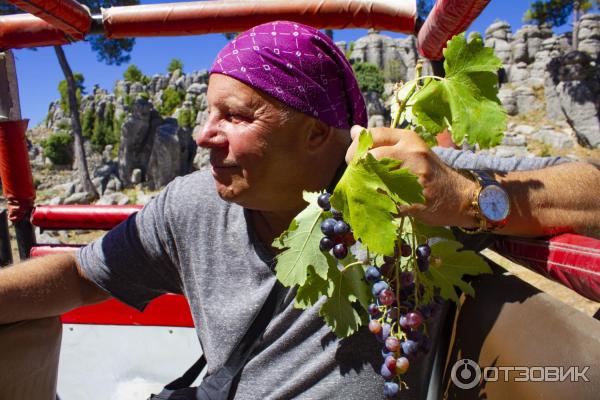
column 319, row 134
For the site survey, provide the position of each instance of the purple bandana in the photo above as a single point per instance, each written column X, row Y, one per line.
column 299, row 66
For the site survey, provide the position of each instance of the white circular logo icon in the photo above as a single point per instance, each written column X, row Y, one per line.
column 465, row 374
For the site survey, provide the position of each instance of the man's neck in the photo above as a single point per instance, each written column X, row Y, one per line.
column 269, row 225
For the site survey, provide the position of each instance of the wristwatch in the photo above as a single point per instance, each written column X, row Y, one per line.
column 490, row 202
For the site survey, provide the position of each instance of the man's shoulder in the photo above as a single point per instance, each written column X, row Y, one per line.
column 192, row 188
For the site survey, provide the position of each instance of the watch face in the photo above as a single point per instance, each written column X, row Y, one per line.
column 494, row 203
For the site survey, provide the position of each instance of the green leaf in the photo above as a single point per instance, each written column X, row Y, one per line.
column 403, row 186
column 465, row 101
column 434, row 231
column 314, row 288
column 301, row 244
column 454, row 265
column 365, row 195
column 365, row 141
column 338, row 311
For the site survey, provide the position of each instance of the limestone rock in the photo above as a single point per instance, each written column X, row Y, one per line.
column 498, row 36
column 553, row 138
column 589, row 34
column 165, row 161
column 113, row 199
column 201, row 159
column 137, row 138
column 197, row 88
column 509, row 100
column 526, row 100
column 78, row 198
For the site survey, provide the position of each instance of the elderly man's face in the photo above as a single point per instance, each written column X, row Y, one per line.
column 256, row 153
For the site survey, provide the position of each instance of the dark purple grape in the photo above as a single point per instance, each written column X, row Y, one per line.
column 374, row 309
column 403, row 322
column 327, row 226
column 425, row 311
column 415, row 319
column 372, row 274
column 341, row 228
column 340, row 251
column 405, row 250
column 386, row 373
column 409, row 347
column 386, row 268
column 336, row 214
column 323, row 201
column 406, row 278
column 326, row 243
column 393, row 313
column 423, row 251
column 387, row 297
column 379, row 287
column 390, row 389
column 423, row 264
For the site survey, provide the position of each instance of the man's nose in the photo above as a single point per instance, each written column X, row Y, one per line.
column 210, row 135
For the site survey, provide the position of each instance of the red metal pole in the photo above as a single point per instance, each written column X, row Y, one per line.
column 81, row 216
column 446, row 19
column 200, row 17
column 67, row 15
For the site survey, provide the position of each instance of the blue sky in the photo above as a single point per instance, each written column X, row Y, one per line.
column 39, row 72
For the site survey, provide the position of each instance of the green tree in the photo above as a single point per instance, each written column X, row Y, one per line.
column 134, row 74
column 63, row 90
column 392, row 71
column 369, row 77
column 109, row 51
column 557, row 12
column 175, row 64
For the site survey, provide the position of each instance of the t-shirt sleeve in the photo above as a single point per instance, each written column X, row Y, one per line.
column 137, row 260
column 469, row 160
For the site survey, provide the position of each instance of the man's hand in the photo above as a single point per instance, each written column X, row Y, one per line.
column 447, row 193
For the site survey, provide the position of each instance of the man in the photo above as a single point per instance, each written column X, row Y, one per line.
column 282, row 99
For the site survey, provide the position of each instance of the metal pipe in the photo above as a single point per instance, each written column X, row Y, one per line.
column 214, row 16
column 446, row 19
column 193, row 18
column 5, row 247
column 81, row 216
column 26, row 30
column 67, row 15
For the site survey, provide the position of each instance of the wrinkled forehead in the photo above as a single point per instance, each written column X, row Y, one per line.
column 227, row 91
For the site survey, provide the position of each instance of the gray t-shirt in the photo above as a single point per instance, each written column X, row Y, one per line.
column 187, row 240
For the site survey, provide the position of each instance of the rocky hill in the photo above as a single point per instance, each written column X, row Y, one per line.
column 140, row 135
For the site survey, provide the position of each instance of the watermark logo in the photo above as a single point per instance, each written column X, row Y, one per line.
column 466, row 374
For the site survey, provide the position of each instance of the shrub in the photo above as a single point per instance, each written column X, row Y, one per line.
column 171, row 99
column 392, row 71
column 104, row 129
column 186, row 118
column 87, row 122
column 369, row 77
column 58, row 148
column 175, row 64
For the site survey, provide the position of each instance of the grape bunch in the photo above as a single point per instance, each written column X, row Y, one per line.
column 338, row 235
column 397, row 316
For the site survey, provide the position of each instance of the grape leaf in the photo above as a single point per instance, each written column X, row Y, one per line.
column 465, row 101
column 313, row 289
column 349, row 287
column 301, row 244
column 454, row 265
column 366, row 193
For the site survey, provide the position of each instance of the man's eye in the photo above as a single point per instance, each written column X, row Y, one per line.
column 233, row 117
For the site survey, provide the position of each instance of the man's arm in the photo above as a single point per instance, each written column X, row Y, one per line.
column 44, row 287
column 544, row 202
